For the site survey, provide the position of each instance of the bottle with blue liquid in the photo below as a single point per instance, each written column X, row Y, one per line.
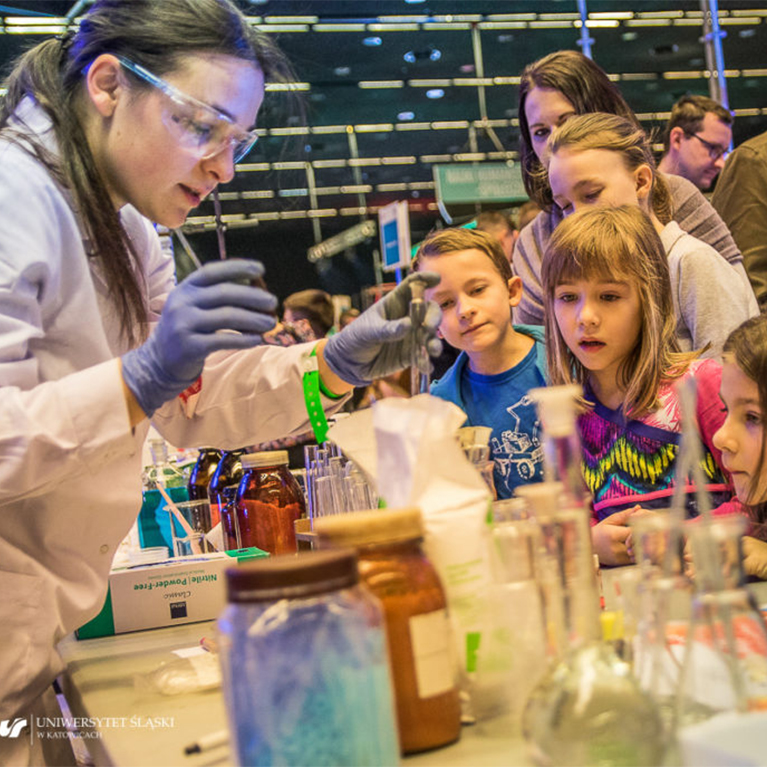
column 305, row 664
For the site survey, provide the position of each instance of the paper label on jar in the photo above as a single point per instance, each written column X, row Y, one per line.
column 432, row 655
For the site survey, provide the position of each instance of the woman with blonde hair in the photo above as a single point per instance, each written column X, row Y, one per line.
column 552, row 90
column 610, row 327
column 603, row 159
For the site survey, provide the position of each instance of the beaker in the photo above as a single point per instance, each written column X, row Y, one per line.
column 189, row 535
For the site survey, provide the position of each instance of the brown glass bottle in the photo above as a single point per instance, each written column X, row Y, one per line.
column 200, row 476
column 393, row 566
column 269, row 501
column 221, row 493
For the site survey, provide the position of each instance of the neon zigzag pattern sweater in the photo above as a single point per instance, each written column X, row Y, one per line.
column 633, row 462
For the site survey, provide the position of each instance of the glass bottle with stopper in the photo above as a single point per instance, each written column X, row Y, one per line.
column 588, row 708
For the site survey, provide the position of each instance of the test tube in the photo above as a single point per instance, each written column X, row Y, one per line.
column 419, row 356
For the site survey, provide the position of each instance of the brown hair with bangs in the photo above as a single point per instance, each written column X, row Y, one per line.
column 616, row 244
column 598, row 130
column 747, row 347
column 455, row 239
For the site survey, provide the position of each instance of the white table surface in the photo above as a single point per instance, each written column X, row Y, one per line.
column 99, row 683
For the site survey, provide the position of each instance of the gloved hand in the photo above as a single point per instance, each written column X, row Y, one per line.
column 207, row 301
column 379, row 341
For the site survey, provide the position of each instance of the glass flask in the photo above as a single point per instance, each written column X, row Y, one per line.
column 305, row 666
column 221, row 493
column 269, row 500
column 393, row 566
column 725, row 647
column 162, row 472
column 588, row 708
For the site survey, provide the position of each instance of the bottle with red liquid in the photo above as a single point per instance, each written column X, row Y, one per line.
column 221, row 494
column 202, row 473
column 269, row 501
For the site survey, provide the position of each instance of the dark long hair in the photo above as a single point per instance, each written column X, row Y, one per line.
column 585, row 85
column 747, row 346
column 155, row 34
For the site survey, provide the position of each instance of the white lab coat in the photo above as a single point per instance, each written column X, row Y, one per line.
column 69, row 462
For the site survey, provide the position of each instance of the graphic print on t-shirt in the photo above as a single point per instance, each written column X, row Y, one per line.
column 518, row 452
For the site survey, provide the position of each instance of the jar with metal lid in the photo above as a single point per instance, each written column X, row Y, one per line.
column 221, row 493
column 394, row 567
column 305, row 668
column 269, row 501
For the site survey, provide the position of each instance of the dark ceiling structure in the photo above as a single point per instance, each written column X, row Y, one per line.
column 393, row 87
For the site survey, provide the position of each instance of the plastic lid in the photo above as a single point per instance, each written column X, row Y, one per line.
column 293, row 577
column 359, row 528
column 557, row 408
column 265, row 458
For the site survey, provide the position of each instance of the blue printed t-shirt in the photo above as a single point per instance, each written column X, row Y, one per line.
column 502, row 402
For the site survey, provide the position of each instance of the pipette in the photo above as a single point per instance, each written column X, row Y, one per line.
column 419, row 355
column 256, row 282
column 220, row 226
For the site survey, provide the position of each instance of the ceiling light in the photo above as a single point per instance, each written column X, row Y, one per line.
column 435, row 93
column 403, row 116
column 371, row 42
column 342, row 71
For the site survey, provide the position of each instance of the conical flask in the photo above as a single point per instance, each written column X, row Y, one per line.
column 588, row 709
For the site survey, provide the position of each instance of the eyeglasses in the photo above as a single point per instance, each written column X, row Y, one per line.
column 715, row 151
column 197, row 126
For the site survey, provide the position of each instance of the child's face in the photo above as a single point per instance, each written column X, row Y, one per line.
column 600, row 321
column 595, row 177
column 475, row 300
column 740, row 437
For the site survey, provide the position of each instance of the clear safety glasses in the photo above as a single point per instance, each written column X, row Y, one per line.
column 197, row 127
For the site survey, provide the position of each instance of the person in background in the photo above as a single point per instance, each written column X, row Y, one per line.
column 741, row 436
column 527, row 212
column 551, row 90
column 740, row 197
column 310, row 313
column 501, row 226
column 347, row 316
column 696, row 140
column 499, row 362
column 95, row 339
column 601, row 159
column 610, row 327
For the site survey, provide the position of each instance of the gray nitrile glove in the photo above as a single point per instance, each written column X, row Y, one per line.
column 379, row 342
column 207, row 301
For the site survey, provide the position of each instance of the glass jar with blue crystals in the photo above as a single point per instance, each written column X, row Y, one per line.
column 305, row 664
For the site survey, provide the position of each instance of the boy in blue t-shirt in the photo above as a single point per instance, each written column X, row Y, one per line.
column 499, row 362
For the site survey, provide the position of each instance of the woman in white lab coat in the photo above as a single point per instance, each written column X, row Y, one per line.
column 134, row 118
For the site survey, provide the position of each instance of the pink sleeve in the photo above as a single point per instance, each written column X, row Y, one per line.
column 708, row 376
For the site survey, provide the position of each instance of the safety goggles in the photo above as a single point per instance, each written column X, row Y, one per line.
column 197, row 126
column 715, row 151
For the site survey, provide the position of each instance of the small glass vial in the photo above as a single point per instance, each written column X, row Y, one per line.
column 305, row 668
column 221, row 493
column 394, row 567
column 269, row 501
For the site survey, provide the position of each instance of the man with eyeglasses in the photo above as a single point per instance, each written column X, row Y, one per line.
column 740, row 198
column 696, row 140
